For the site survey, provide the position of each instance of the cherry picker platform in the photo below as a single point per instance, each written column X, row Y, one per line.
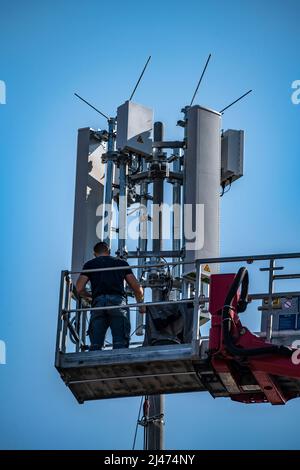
column 230, row 362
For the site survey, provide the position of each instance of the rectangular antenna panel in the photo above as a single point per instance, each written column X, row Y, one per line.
column 134, row 128
column 232, row 155
column 202, row 163
column 89, row 194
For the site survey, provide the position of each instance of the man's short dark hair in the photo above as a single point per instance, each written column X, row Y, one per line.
column 101, row 247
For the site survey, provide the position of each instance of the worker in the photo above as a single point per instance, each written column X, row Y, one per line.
column 107, row 290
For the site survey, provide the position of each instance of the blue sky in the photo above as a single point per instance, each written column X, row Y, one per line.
column 50, row 49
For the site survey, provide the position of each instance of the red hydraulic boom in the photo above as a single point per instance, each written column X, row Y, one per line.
column 252, row 369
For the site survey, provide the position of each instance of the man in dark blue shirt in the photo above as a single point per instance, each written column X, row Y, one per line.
column 107, row 290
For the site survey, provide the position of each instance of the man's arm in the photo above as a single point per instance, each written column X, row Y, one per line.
column 80, row 287
column 137, row 289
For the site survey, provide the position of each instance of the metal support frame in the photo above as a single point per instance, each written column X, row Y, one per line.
column 130, row 372
column 154, row 431
column 155, row 254
column 142, row 242
column 67, row 302
column 196, row 316
column 270, row 317
column 185, row 284
column 122, row 209
column 65, row 294
column 108, row 196
column 176, row 242
column 59, row 318
column 158, row 187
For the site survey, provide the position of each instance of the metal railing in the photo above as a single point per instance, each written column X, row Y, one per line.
column 73, row 312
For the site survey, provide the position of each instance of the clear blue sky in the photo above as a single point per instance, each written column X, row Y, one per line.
column 50, row 49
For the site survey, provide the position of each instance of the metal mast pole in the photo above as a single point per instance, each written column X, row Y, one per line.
column 176, row 241
column 155, row 428
column 142, row 243
column 111, row 147
column 185, row 285
column 122, row 208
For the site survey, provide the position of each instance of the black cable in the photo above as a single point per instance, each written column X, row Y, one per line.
column 200, row 80
column 170, row 283
column 145, row 428
column 224, row 186
column 71, row 329
column 134, row 172
column 140, row 78
column 235, row 101
column 242, row 279
column 91, row 106
column 229, row 186
column 137, row 424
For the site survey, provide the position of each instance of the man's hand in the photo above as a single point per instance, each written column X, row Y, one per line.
column 141, row 300
column 80, row 287
column 86, row 303
column 137, row 289
column 142, row 310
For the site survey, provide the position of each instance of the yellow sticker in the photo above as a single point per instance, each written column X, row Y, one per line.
column 206, row 268
column 276, row 302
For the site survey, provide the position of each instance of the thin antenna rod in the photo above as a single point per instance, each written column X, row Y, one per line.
column 140, row 78
column 93, row 107
column 241, row 97
column 197, row 87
